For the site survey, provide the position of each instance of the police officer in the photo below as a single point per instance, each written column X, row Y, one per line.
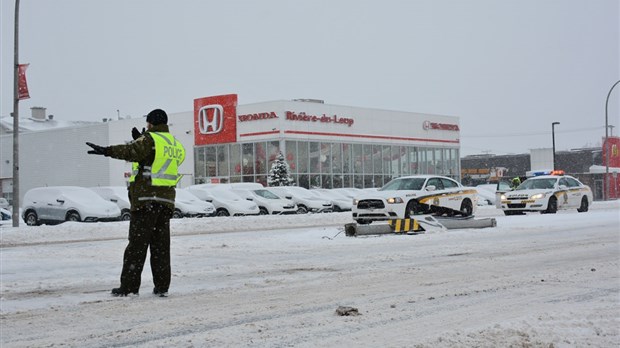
column 156, row 156
column 516, row 181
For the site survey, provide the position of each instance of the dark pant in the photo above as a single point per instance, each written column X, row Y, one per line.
column 149, row 227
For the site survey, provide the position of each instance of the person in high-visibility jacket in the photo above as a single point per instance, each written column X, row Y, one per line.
column 156, row 157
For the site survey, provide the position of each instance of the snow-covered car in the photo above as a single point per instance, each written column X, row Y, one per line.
column 186, row 204
column 4, row 204
column 339, row 201
column 268, row 202
column 6, row 218
column 117, row 195
column 226, row 202
column 547, row 194
column 56, row 204
column 413, row 195
column 350, row 192
column 304, row 199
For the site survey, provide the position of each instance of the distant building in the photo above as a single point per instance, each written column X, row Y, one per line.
column 586, row 164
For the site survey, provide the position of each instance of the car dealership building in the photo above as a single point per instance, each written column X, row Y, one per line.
column 324, row 145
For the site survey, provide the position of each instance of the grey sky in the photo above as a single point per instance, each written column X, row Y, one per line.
column 508, row 69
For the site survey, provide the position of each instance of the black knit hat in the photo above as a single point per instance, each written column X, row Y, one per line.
column 157, row 116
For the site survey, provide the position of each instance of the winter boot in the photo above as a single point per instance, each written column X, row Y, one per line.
column 160, row 293
column 120, row 292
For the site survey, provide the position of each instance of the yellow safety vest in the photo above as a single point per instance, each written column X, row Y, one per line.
column 169, row 154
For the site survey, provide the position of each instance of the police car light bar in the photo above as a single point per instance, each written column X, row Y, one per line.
column 548, row 172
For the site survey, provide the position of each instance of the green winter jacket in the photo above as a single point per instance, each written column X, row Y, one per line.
column 142, row 150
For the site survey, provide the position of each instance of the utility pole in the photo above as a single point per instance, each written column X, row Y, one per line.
column 15, row 213
column 607, row 148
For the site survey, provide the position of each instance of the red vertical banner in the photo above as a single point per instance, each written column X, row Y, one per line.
column 612, row 145
column 22, row 86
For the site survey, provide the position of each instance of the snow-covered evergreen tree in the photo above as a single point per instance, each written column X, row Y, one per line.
column 279, row 175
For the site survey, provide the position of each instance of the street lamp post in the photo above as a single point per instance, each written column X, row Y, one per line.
column 606, row 193
column 15, row 213
column 553, row 140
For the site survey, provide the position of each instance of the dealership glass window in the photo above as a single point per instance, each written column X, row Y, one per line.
column 357, row 159
column 326, row 157
column 303, row 180
column 403, row 158
column 326, row 181
column 368, row 181
column 377, row 180
column 302, row 157
column 261, row 179
column 367, row 159
column 315, row 180
column 247, row 159
column 314, row 157
column 394, row 163
column 376, row 160
column 347, row 166
column 358, row 180
column 454, row 164
column 260, row 164
column 414, row 161
column 430, row 162
column 200, row 166
column 222, row 160
column 347, row 181
column 438, row 161
column 210, row 159
column 291, row 155
column 337, row 158
column 235, row 159
column 386, row 159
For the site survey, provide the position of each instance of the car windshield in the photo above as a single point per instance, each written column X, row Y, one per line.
column 538, row 184
column 265, row 194
column 183, row 195
column 404, row 184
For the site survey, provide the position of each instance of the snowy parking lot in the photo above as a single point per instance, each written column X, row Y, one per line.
column 274, row 281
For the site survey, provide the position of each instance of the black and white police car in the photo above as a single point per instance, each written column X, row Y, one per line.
column 407, row 196
column 547, row 192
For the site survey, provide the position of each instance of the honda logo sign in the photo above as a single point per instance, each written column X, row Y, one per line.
column 211, row 119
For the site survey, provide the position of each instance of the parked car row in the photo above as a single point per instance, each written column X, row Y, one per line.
column 402, row 197
column 53, row 205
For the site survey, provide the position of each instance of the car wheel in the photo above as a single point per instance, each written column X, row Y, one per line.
column 584, row 205
column 31, row 218
column 125, row 215
column 414, row 208
column 222, row 212
column 263, row 211
column 301, row 209
column 466, row 208
column 552, row 206
column 73, row 216
column 177, row 214
column 363, row 222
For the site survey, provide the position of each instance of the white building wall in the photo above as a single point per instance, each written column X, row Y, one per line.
column 369, row 126
column 58, row 156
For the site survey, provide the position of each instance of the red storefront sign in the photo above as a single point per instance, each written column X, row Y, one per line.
column 215, row 119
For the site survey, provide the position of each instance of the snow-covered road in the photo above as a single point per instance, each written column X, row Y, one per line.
column 534, row 280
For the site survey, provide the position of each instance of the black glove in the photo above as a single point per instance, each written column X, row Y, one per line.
column 135, row 133
column 97, row 150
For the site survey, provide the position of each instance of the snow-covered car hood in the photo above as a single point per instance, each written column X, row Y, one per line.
column 525, row 194
column 392, row 193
